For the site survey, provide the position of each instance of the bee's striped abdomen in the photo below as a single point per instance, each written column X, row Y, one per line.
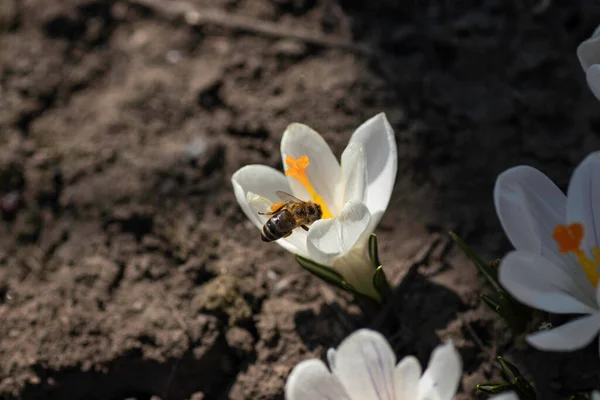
column 269, row 232
column 278, row 226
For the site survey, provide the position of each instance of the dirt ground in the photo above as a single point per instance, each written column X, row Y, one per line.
column 127, row 269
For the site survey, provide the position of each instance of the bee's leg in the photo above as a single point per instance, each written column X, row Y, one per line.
column 287, row 234
column 267, row 213
column 304, row 227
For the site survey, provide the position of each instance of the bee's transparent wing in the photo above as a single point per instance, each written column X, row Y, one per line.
column 286, row 197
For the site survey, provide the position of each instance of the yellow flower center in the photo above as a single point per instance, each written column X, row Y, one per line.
column 297, row 170
column 569, row 239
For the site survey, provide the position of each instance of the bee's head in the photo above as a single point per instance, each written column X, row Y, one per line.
column 315, row 211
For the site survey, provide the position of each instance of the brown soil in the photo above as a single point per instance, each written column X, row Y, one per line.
column 127, row 269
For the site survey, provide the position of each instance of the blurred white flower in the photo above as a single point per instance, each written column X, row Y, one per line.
column 556, row 264
column 353, row 195
column 506, row 396
column 364, row 368
column 588, row 53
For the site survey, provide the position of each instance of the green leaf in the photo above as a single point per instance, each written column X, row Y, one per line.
column 360, row 296
column 495, row 388
column 509, row 370
column 521, row 311
column 504, row 308
column 349, row 288
column 373, row 252
column 513, row 376
column 330, row 276
column 325, row 273
column 491, row 303
column 489, row 272
column 500, row 307
column 524, row 387
column 515, row 313
column 516, row 382
column 381, row 283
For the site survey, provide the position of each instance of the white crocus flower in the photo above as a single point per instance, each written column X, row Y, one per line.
column 556, row 264
column 364, row 368
column 506, row 396
column 353, row 195
column 588, row 53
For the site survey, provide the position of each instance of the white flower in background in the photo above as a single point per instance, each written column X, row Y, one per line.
column 556, row 264
column 506, row 396
column 364, row 368
column 588, row 53
column 353, row 195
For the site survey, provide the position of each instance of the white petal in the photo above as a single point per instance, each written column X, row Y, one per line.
column 323, row 171
column 529, row 206
column 595, row 395
column 592, row 76
column 331, row 358
column 443, row 373
column 295, row 243
column 583, row 199
column 379, row 144
column 334, row 237
column 505, row 396
column 357, row 269
column 365, row 365
column 354, row 174
column 312, row 380
column 406, row 377
column 573, row 335
column 258, row 204
column 588, row 51
column 258, row 179
column 541, row 284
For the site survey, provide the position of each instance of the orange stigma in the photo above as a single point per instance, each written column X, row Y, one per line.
column 569, row 239
column 297, row 170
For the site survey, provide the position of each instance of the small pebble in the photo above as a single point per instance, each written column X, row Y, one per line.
column 173, row 56
column 10, row 202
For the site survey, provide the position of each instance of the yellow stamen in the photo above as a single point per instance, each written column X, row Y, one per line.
column 569, row 239
column 297, row 170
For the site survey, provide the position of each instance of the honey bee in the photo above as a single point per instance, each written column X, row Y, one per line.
column 289, row 215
